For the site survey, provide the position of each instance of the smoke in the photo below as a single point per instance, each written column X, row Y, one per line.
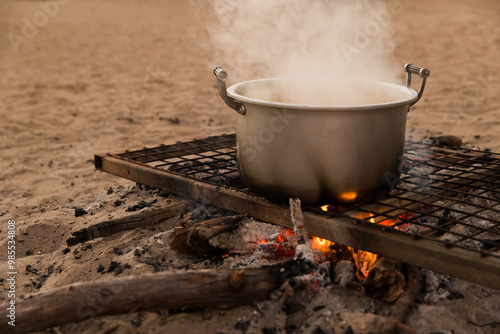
column 284, row 38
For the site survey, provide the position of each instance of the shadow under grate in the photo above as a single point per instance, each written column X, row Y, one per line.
column 443, row 213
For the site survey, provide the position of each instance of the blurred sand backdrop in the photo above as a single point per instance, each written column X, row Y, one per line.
column 109, row 75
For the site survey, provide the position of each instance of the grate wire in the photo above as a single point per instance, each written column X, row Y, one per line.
column 451, row 195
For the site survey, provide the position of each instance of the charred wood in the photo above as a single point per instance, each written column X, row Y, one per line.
column 384, row 281
column 169, row 290
column 195, row 238
column 110, row 227
column 304, row 250
column 402, row 307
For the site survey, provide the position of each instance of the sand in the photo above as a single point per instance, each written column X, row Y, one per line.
column 103, row 76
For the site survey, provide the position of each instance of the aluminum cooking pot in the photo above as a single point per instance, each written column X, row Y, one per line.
column 323, row 140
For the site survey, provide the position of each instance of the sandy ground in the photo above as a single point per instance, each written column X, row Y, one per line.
column 105, row 76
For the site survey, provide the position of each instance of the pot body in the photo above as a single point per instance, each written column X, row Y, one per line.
column 321, row 153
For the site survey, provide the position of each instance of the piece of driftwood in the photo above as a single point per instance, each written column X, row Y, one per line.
column 110, row 227
column 169, row 290
column 195, row 239
column 384, row 281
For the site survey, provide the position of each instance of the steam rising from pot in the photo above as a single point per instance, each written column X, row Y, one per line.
column 285, row 38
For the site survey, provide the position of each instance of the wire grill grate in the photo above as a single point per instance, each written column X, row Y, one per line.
column 449, row 195
column 211, row 160
column 443, row 213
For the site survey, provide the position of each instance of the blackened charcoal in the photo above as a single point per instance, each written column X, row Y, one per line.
column 30, row 269
column 451, row 141
column 50, row 269
column 454, row 294
column 113, row 265
column 141, row 205
column 319, row 330
column 80, row 212
column 121, row 268
column 242, row 325
column 136, row 320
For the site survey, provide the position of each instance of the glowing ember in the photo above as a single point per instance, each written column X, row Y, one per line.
column 398, row 221
column 281, row 246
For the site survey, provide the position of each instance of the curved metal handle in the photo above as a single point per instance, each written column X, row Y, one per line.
column 422, row 72
column 221, row 85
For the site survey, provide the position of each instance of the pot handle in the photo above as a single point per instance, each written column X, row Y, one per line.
column 221, row 76
column 422, row 72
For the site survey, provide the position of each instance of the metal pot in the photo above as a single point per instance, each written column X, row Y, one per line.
column 309, row 146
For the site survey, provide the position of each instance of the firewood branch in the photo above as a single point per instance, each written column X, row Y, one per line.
column 110, row 227
column 173, row 289
column 195, row 239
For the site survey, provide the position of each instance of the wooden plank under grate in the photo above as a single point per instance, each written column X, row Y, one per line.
column 443, row 214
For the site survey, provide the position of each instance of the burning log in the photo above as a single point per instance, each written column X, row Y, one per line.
column 384, row 281
column 110, row 227
column 195, row 239
column 169, row 290
column 278, row 247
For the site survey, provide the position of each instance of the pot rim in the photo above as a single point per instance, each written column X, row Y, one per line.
column 231, row 92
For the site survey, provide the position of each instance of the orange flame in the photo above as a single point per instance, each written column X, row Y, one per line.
column 322, row 245
column 364, row 261
column 392, row 222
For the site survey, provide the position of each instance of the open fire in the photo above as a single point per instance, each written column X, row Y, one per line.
column 282, row 246
column 445, row 197
column 441, row 215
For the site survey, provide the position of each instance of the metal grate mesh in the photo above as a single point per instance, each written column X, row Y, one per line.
column 211, row 160
column 448, row 195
